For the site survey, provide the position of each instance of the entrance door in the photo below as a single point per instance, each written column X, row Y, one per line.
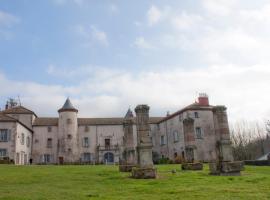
column 108, row 157
column 61, row 160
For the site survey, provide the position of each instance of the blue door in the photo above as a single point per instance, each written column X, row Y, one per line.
column 108, row 157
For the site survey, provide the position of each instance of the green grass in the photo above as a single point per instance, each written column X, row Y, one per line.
column 105, row 182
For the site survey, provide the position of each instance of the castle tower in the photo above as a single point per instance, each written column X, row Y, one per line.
column 68, row 134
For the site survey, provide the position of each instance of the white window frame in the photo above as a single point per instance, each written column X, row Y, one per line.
column 3, row 153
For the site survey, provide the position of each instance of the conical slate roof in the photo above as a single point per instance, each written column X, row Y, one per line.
column 129, row 114
column 68, row 107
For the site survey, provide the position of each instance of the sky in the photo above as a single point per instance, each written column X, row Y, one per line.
column 109, row 55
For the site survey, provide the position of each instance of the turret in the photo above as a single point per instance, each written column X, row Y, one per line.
column 68, row 133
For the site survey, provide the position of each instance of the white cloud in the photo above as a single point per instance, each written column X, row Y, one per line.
column 113, row 8
column 7, row 19
column 185, row 21
column 99, row 35
column 219, row 7
column 91, row 34
column 153, row 15
column 141, row 43
column 106, row 92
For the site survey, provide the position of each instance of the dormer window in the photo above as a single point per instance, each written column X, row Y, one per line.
column 86, row 129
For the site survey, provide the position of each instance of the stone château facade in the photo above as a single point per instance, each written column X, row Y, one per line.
column 189, row 134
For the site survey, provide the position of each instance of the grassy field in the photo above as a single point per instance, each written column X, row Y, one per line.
column 105, row 182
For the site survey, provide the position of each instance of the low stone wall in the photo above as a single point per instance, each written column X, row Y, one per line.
column 144, row 173
column 226, row 168
column 257, row 162
column 192, row 166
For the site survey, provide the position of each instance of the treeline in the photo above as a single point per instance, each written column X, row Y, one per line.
column 250, row 140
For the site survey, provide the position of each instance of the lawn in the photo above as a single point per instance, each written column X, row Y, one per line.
column 105, row 182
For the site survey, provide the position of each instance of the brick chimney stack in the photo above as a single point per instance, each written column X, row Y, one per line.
column 203, row 99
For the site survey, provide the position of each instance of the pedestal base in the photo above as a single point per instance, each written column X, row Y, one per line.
column 126, row 168
column 192, row 166
column 143, row 173
column 226, row 168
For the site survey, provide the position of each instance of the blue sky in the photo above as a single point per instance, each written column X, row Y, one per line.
column 109, row 55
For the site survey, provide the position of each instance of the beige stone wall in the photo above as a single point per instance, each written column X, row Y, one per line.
column 205, row 146
column 10, row 145
column 23, row 150
column 40, row 138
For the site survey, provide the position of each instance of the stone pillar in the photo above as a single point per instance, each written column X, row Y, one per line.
column 145, row 167
column 224, row 164
column 190, row 146
column 128, row 160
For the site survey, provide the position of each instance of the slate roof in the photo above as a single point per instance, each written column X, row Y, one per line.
column 18, row 110
column 5, row 118
column 194, row 106
column 68, row 107
column 49, row 121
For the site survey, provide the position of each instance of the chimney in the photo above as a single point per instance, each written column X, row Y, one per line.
column 6, row 107
column 203, row 99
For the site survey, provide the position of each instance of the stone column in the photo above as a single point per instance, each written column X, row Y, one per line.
column 224, row 164
column 190, row 146
column 128, row 160
column 145, row 167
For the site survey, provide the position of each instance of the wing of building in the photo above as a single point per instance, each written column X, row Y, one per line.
column 26, row 138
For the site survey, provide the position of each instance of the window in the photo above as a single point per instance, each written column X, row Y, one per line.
column 68, row 121
column 4, row 135
column 28, row 141
column 69, row 150
column 36, row 140
column 162, row 140
column 49, row 129
column 196, row 114
column 47, row 158
column 158, row 127
column 49, row 143
column 107, row 143
column 85, row 142
column 69, row 136
column 198, row 133
column 86, row 129
column 22, row 139
column 86, row 157
column 175, row 136
column 3, row 153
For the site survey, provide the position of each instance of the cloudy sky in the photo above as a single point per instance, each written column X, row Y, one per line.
column 109, row 55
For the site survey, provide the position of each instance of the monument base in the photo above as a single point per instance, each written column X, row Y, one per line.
column 126, row 168
column 226, row 168
column 144, row 173
column 192, row 166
